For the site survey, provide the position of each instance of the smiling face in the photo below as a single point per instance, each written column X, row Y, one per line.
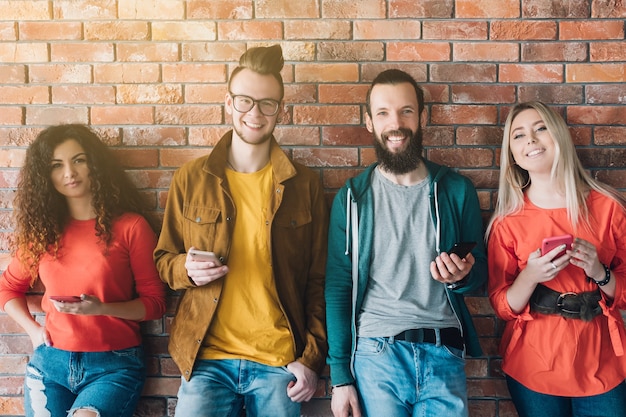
column 69, row 171
column 395, row 123
column 253, row 127
column 531, row 145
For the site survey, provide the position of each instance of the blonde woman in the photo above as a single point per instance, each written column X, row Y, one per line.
column 564, row 340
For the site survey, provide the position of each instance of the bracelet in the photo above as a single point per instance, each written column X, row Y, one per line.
column 343, row 385
column 607, row 277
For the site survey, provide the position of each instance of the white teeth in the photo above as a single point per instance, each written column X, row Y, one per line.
column 535, row 152
column 252, row 125
column 395, row 138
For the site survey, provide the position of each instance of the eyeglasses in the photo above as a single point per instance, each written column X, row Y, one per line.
column 244, row 104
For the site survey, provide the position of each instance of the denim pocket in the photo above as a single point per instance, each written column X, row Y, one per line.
column 370, row 346
column 454, row 352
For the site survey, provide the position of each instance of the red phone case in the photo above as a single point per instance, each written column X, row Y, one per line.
column 66, row 298
column 550, row 243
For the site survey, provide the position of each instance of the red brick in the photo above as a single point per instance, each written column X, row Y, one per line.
column 249, row 29
column 463, row 114
column 502, row 52
column 452, row 30
column 154, row 136
column 184, row 30
column 522, row 30
column 479, row 135
column 161, row 386
column 367, row 9
column 531, row 73
column 287, row 9
column 559, row 94
column 83, row 94
column 612, row 177
column 8, row 31
column 326, row 115
column 151, row 9
column 466, row 73
column 326, row 157
column 608, row 9
column 591, row 73
column 53, row 115
column 149, row 94
column 351, row 52
column 555, row 52
column 346, row 136
column 387, row 29
column 147, row 52
column 23, row 53
column 175, row 157
column 311, row 29
column 191, row 115
column 441, row 9
column 609, row 135
column 435, row 136
column 24, row 95
column 126, row 73
column 417, row 70
column 11, row 116
column 84, row 9
column 31, row 10
column 472, row 9
column 470, row 93
column 137, row 158
column 462, row 157
column 482, row 407
column 50, row 30
column 206, row 135
column 210, row 51
column 211, row 9
column 589, row 29
column 13, row 74
column 608, row 51
column 606, row 93
column 60, row 73
column 319, row 73
column 117, row 30
column 342, row 93
column 418, row 51
column 82, row 52
column 572, row 9
column 122, row 115
column 194, row 73
column 11, row 406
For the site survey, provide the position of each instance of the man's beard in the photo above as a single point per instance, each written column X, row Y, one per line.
column 402, row 162
column 263, row 139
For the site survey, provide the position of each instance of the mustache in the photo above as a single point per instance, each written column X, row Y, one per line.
column 397, row 132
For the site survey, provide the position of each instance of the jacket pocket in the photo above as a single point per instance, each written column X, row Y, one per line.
column 200, row 225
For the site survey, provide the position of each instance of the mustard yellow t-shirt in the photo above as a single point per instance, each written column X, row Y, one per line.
column 249, row 322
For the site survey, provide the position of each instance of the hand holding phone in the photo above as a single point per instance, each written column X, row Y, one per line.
column 550, row 243
column 66, row 298
column 461, row 249
column 204, row 256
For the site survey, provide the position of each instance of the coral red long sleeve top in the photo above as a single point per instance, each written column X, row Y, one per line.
column 122, row 272
column 548, row 353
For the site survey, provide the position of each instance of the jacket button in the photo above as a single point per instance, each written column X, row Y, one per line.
column 278, row 191
column 198, row 219
column 187, row 372
column 215, row 300
column 198, row 341
column 227, row 219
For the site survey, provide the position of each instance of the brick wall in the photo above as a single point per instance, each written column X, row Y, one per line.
column 150, row 76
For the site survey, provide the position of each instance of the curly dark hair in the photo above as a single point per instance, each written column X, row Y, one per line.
column 42, row 213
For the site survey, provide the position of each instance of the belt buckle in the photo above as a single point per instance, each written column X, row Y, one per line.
column 560, row 301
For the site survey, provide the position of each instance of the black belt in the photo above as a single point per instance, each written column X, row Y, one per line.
column 450, row 336
column 584, row 306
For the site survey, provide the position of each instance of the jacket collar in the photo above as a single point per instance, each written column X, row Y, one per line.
column 215, row 164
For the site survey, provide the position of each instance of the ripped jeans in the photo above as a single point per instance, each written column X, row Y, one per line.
column 59, row 382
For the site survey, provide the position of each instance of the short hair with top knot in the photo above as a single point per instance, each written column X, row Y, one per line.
column 265, row 60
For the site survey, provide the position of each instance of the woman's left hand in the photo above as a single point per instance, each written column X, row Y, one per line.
column 585, row 256
column 87, row 306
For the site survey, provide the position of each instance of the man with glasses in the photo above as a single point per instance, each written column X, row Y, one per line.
column 249, row 330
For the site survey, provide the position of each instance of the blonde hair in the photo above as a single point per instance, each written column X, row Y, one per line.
column 262, row 60
column 567, row 172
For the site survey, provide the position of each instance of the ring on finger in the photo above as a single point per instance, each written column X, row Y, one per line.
column 553, row 265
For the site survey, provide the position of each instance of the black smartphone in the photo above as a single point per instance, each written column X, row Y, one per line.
column 461, row 249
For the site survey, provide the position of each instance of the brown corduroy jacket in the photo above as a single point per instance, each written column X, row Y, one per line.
column 200, row 213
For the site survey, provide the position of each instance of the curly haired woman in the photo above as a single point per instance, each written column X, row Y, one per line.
column 81, row 230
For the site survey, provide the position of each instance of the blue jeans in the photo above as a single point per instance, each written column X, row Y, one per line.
column 59, row 382
column 398, row 378
column 221, row 388
column 530, row 403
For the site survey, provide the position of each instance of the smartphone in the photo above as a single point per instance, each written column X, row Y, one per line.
column 461, row 249
column 550, row 243
column 204, row 256
column 66, row 298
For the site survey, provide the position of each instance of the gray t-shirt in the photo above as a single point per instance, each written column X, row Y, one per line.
column 401, row 293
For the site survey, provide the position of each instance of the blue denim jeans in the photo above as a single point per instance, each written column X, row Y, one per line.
column 530, row 403
column 221, row 388
column 58, row 382
column 398, row 378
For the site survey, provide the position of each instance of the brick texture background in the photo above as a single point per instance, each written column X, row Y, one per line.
column 150, row 76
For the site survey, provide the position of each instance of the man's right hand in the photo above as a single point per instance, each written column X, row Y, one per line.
column 345, row 402
column 201, row 273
